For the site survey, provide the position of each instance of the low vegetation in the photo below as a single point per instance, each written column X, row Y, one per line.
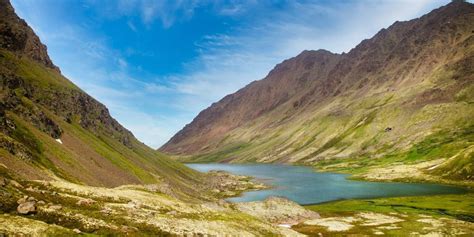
column 63, row 208
column 441, row 215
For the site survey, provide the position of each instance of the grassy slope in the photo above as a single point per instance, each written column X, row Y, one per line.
column 351, row 128
column 90, row 157
column 400, row 107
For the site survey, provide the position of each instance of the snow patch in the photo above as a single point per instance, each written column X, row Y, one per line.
column 285, row 225
column 59, row 141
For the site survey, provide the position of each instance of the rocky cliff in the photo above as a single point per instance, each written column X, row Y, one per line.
column 17, row 36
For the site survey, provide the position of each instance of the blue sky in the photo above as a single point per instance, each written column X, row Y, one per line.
column 156, row 64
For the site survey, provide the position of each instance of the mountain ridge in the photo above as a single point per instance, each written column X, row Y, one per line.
column 382, row 91
column 17, row 36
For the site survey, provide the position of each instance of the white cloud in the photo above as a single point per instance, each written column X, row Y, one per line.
column 166, row 11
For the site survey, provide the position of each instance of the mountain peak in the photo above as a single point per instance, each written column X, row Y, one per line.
column 18, row 37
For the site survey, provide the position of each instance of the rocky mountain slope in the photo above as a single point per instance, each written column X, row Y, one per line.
column 49, row 128
column 405, row 95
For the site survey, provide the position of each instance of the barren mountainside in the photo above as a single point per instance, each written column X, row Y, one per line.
column 409, row 84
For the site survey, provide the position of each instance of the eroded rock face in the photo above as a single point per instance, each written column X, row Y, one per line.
column 277, row 210
column 225, row 184
column 16, row 35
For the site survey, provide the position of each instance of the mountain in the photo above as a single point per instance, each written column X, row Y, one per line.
column 405, row 95
column 67, row 167
column 49, row 128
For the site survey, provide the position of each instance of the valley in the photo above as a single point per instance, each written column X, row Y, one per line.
column 402, row 97
column 375, row 141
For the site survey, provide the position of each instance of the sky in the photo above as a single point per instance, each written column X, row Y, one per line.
column 157, row 64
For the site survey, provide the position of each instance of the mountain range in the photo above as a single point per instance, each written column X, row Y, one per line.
column 403, row 96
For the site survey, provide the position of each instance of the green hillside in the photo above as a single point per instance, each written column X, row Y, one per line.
column 50, row 129
column 401, row 97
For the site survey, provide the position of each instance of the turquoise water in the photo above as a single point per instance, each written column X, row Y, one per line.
column 305, row 186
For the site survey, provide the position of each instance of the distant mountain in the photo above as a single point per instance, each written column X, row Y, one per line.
column 51, row 128
column 407, row 93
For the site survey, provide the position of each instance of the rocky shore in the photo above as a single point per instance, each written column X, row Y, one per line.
column 224, row 184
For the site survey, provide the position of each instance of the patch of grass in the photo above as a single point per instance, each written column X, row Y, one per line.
column 466, row 94
column 459, row 167
column 457, row 206
column 32, row 71
column 27, row 138
column 46, row 145
column 222, row 154
column 357, row 128
column 445, row 209
column 441, row 144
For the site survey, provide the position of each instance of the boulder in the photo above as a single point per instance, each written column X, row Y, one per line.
column 22, row 200
column 27, row 207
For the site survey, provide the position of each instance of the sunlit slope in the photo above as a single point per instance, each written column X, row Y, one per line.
column 50, row 128
column 42, row 106
column 405, row 95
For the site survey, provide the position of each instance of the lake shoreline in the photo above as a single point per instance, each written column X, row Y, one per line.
column 283, row 185
column 366, row 176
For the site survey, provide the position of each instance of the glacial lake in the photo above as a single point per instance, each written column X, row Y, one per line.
column 306, row 186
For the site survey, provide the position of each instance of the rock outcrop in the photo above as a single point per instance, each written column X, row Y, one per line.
column 17, row 36
column 278, row 211
column 26, row 205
